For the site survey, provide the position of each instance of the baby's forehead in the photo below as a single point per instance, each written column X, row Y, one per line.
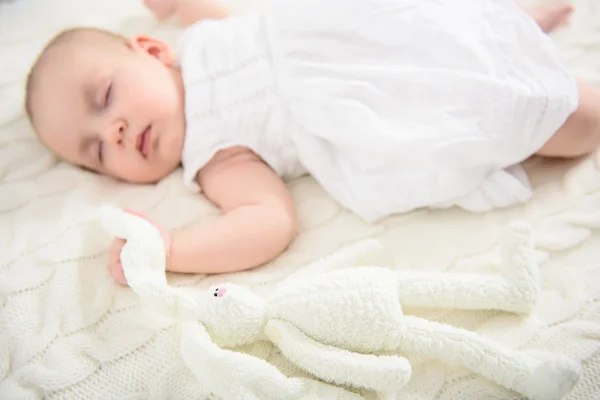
column 64, row 74
column 75, row 54
column 75, row 60
column 83, row 45
column 86, row 35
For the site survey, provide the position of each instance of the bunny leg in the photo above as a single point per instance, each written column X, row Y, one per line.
column 516, row 289
column 339, row 366
column 539, row 377
column 233, row 375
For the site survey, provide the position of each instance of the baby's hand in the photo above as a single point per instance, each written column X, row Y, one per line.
column 114, row 259
column 161, row 8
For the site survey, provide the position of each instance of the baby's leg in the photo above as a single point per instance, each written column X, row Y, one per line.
column 548, row 16
column 580, row 134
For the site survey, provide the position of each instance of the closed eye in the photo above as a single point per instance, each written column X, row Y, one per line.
column 108, row 95
column 100, row 152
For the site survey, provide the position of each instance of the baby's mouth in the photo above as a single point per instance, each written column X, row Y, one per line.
column 144, row 142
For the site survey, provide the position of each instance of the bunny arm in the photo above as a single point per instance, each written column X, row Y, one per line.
column 466, row 292
column 234, row 375
column 339, row 366
column 515, row 290
column 545, row 377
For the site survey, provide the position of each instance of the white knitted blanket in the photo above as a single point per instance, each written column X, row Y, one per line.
column 66, row 332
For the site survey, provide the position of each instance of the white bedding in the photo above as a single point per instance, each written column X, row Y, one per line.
column 67, row 332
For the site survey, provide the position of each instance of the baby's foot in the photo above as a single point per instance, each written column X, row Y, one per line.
column 161, row 8
column 550, row 16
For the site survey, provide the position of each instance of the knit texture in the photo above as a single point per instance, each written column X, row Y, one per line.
column 336, row 325
column 67, row 332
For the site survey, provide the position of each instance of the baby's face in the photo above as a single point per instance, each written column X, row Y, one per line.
column 113, row 107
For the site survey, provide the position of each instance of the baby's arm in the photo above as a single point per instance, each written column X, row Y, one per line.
column 188, row 11
column 258, row 221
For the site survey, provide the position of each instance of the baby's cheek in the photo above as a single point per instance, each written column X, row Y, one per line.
column 167, row 99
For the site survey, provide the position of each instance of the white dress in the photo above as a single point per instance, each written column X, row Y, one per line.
column 390, row 104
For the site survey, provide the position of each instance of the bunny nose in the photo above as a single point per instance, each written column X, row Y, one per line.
column 221, row 292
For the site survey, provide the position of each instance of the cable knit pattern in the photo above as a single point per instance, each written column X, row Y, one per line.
column 336, row 324
column 68, row 333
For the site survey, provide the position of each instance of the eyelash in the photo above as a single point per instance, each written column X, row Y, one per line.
column 100, row 152
column 107, row 97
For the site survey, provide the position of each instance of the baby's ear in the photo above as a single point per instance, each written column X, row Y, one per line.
column 156, row 48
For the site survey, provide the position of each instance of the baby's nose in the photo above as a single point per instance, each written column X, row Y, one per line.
column 117, row 131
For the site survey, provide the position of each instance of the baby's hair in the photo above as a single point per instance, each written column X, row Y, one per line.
column 60, row 39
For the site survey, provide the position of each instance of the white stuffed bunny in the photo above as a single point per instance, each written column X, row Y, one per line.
column 345, row 327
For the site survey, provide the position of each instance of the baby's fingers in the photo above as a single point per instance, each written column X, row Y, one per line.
column 116, row 246
column 116, row 271
column 114, row 261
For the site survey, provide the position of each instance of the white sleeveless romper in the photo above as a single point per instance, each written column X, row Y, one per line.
column 390, row 104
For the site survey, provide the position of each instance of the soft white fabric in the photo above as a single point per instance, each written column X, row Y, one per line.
column 66, row 332
column 391, row 105
column 345, row 326
column 231, row 97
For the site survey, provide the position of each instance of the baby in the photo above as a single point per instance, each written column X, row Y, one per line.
column 391, row 105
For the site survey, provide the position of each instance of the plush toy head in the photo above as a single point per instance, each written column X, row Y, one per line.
column 233, row 315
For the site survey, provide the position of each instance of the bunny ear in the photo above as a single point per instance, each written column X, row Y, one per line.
column 143, row 259
column 144, row 250
column 234, row 375
column 110, row 216
column 228, row 374
column 118, row 222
